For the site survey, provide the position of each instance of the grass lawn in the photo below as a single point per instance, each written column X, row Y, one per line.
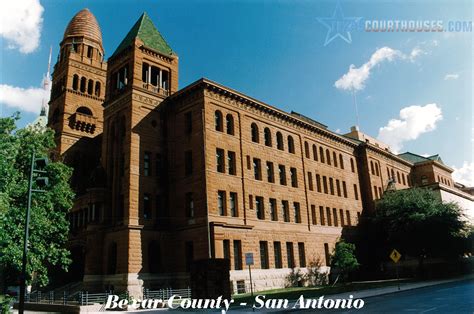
column 312, row 292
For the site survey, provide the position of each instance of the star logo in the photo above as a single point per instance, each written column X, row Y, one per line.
column 339, row 25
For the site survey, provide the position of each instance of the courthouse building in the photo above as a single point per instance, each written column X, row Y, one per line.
column 164, row 176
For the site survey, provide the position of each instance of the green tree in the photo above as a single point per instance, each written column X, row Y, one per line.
column 418, row 224
column 49, row 226
column 343, row 259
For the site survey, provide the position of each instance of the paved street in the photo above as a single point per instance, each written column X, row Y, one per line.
column 455, row 297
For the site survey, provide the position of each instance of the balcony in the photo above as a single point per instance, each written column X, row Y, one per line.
column 155, row 89
column 83, row 122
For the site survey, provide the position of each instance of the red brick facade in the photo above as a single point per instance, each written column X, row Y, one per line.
column 166, row 176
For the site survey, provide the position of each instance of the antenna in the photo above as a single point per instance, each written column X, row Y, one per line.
column 46, row 82
column 355, row 106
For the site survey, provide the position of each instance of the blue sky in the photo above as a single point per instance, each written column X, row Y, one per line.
column 274, row 51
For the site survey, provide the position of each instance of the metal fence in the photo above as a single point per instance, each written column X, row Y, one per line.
column 165, row 294
column 86, row 298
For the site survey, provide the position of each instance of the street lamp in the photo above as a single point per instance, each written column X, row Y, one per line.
column 38, row 166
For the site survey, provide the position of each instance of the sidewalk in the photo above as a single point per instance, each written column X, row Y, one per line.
column 394, row 289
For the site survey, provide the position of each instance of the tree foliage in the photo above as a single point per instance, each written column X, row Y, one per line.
column 344, row 259
column 417, row 223
column 49, row 227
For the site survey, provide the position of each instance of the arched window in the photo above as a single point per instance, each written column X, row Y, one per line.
column 84, row 110
column 97, row 89
column 267, row 137
column 291, row 144
column 341, row 161
column 255, row 136
column 218, row 120
column 328, row 157
column 75, row 82
column 352, row 165
column 398, row 177
column 321, row 154
column 112, row 259
column 334, row 157
column 393, row 175
column 83, row 84
column 90, row 87
column 315, row 153
column 229, row 119
column 280, row 144
column 306, row 149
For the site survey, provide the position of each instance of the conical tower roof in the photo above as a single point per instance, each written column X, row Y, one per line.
column 145, row 30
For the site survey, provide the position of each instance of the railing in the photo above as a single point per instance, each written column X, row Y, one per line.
column 86, row 298
column 165, row 294
column 156, row 89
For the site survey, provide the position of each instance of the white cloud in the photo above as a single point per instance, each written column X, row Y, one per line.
column 20, row 24
column 452, row 76
column 465, row 174
column 355, row 78
column 414, row 121
column 25, row 99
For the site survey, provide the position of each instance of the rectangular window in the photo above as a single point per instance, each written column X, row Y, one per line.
column 146, row 206
column 327, row 255
column 356, row 194
column 188, row 122
column 257, row 169
column 226, row 249
column 188, row 162
column 231, row 163
column 348, row 218
column 286, row 211
column 334, row 216
column 338, row 188
column 314, row 220
column 321, row 215
column 310, row 180
column 301, row 254
column 331, row 186
column 220, row 160
column 270, row 172
column 318, row 183
column 294, row 177
column 259, row 207
column 273, row 209
column 250, row 201
column 290, row 259
column 264, row 255
column 296, row 207
column 189, row 205
column 147, row 164
column 237, row 255
column 282, row 173
column 344, row 189
column 341, row 215
column 221, row 203
column 248, row 162
column 277, row 253
column 234, row 210
column 328, row 215
column 325, row 184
